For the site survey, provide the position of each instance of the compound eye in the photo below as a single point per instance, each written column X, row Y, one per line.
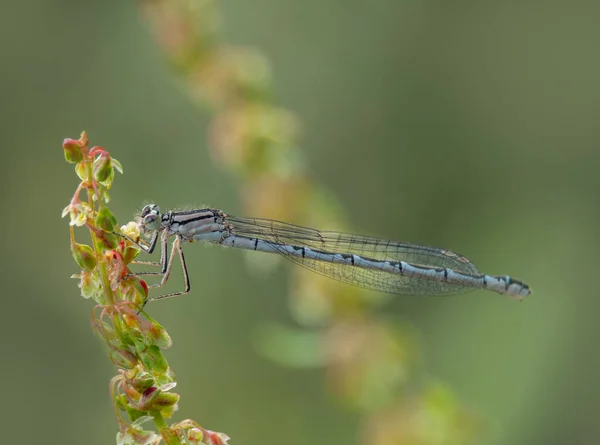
column 149, row 208
column 150, row 217
column 145, row 210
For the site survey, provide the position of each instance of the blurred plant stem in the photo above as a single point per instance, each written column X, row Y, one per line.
column 370, row 361
column 142, row 386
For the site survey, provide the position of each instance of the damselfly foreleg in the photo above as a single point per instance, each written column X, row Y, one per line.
column 175, row 248
column 165, row 263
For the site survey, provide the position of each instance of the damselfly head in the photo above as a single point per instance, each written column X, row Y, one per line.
column 149, row 218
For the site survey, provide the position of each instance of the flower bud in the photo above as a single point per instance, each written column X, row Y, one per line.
column 158, row 335
column 123, row 358
column 130, row 253
column 73, row 150
column 105, row 220
column 165, row 400
column 148, row 396
column 153, row 360
column 84, row 256
column 103, row 169
column 108, row 239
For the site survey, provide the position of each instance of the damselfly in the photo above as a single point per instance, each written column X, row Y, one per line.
column 373, row 263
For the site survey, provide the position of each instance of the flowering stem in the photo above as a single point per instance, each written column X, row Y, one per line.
column 142, row 387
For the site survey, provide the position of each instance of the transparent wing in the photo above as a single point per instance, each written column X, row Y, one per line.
column 278, row 233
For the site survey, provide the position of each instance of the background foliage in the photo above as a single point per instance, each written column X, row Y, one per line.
column 472, row 126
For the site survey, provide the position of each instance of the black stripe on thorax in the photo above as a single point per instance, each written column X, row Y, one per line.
column 183, row 221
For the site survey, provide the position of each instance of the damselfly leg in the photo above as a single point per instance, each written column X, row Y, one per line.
column 165, row 263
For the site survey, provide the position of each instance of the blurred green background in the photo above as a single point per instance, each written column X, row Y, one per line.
column 470, row 125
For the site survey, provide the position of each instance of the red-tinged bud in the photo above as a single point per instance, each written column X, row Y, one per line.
column 84, row 256
column 130, row 253
column 147, row 398
column 108, row 240
column 133, row 322
column 103, row 169
column 165, row 400
column 73, row 151
column 153, row 360
column 143, row 382
column 123, row 358
column 158, row 335
column 105, row 220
